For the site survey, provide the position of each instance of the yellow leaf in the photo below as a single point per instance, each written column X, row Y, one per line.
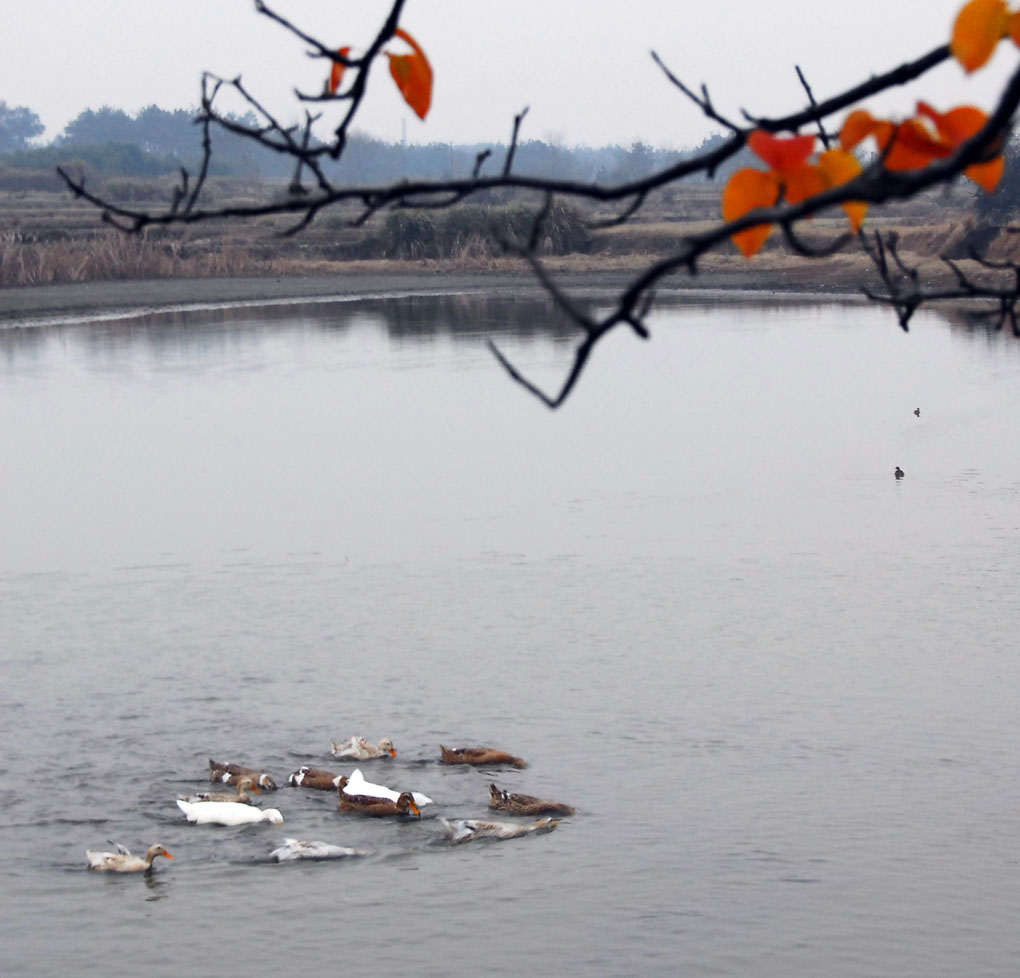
column 978, row 28
column 413, row 75
column 744, row 191
column 1013, row 27
column 841, row 167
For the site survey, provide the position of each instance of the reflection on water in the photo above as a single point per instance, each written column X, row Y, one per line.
column 416, row 317
column 777, row 683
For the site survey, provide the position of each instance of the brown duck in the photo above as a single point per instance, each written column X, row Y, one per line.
column 240, row 795
column 376, row 807
column 313, row 777
column 478, row 755
column 516, row 804
column 232, row 773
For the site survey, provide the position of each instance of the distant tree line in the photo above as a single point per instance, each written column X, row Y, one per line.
column 157, row 141
column 18, row 124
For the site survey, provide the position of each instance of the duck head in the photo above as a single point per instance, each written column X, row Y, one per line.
column 497, row 796
column 406, row 804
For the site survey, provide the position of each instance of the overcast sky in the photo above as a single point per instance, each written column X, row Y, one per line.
column 581, row 66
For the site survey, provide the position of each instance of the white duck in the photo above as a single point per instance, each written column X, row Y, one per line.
column 357, row 785
column 122, row 861
column 466, row 829
column 227, row 813
column 299, row 849
column 361, row 750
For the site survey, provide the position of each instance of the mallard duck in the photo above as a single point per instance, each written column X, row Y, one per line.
column 378, row 807
column 361, row 750
column 122, row 861
column 478, row 755
column 293, row 849
column 240, row 796
column 466, row 829
column 226, row 813
column 357, row 785
column 311, row 777
column 525, row 804
column 232, row 773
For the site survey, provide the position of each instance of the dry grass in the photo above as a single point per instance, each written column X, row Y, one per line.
column 46, row 237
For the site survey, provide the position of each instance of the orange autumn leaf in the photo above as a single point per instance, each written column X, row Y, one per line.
column 839, row 167
column 986, row 175
column 782, row 154
column 744, row 191
column 413, row 75
column 978, row 28
column 913, row 147
column 957, row 126
column 338, row 72
column 858, row 125
column 803, row 182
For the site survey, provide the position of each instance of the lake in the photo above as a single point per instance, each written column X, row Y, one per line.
column 777, row 683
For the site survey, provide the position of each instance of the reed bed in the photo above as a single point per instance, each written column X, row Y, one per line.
column 479, row 232
column 112, row 255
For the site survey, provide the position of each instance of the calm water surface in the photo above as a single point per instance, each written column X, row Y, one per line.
column 778, row 685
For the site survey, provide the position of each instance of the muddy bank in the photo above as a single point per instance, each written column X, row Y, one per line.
column 93, row 299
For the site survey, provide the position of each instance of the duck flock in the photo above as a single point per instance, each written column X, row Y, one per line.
column 355, row 795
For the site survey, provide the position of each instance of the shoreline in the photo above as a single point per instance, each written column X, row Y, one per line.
column 40, row 305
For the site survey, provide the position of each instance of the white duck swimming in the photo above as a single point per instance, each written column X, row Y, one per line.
column 357, row 785
column 361, row 750
column 293, row 849
column 122, row 861
column 466, row 829
column 227, row 813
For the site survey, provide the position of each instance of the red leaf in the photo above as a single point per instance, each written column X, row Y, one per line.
column 781, row 154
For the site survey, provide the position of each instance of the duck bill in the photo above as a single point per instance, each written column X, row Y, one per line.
column 392, row 752
column 414, row 808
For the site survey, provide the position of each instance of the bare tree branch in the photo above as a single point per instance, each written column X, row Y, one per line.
column 875, row 185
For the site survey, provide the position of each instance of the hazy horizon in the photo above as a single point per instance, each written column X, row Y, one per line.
column 582, row 68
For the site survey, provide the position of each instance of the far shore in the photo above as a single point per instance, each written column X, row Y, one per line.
column 752, row 280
